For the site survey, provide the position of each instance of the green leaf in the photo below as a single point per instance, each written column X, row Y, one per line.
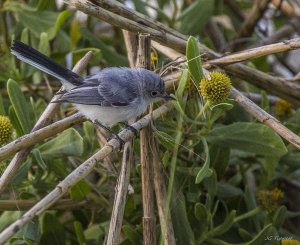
column 279, row 216
column 38, row 157
column 68, row 143
column 219, row 159
column 219, row 110
column 182, row 228
column 60, row 20
column 2, row 110
column 182, row 83
column 194, row 60
column 244, row 234
column 196, row 16
column 202, row 215
column 44, row 45
column 225, row 191
column 111, row 56
column 15, row 122
column 79, row 233
column 204, row 171
column 219, row 230
column 21, row 107
column 251, row 137
column 201, row 212
column 261, row 236
column 132, row 235
column 53, row 231
column 22, row 173
column 31, row 230
column 80, row 190
column 38, row 21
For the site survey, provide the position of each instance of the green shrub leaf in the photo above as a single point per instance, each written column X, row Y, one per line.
column 251, row 137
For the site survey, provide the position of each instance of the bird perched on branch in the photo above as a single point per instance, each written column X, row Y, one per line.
column 111, row 96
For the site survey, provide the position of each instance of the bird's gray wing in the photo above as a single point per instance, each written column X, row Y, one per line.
column 113, row 88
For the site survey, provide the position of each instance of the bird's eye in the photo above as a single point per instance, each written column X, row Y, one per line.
column 154, row 93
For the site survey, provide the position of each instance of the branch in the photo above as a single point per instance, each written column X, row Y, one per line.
column 248, row 105
column 34, row 137
column 257, row 11
column 248, row 54
column 146, row 135
column 262, row 80
column 79, row 173
column 120, row 197
column 265, row 117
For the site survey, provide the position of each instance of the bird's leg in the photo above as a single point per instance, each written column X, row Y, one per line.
column 112, row 133
column 132, row 129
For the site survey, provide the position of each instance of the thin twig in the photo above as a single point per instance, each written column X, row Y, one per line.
column 165, row 220
column 248, row 54
column 79, row 173
column 43, row 121
column 257, row 11
column 277, row 86
column 265, row 118
column 39, row 135
column 251, row 107
column 146, row 134
column 120, row 197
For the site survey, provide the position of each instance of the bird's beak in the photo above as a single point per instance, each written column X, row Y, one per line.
column 168, row 97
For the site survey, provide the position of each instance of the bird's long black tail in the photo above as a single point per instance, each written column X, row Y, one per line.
column 35, row 58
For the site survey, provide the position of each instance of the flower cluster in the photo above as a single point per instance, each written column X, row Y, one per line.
column 270, row 199
column 283, row 108
column 216, row 88
column 5, row 129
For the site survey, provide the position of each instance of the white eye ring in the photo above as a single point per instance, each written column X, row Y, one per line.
column 154, row 93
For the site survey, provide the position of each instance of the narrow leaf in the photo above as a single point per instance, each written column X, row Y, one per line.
column 204, row 171
column 19, row 104
column 193, row 59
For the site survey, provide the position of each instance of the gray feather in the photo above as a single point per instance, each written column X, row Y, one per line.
column 113, row 87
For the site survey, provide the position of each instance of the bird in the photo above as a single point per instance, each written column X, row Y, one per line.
column 113, row 95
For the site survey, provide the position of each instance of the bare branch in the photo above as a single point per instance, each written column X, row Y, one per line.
column 120, row 197
column 34, row 137
column 256, row 12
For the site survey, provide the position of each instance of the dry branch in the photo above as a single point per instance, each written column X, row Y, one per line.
column 165, row 220
column 39, row 135
column 43, row 121
column 246, row 103
column 248, row 54
column 120, row 197
column 265, row 117
column 257, row 11
column 270, row 83
column 79, row 173
column 146, row 135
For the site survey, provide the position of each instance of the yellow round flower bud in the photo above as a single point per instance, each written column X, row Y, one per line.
column 283, row 108
column 5, row 129
column 216, row 88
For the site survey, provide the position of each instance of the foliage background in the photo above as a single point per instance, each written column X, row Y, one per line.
column 216, row 186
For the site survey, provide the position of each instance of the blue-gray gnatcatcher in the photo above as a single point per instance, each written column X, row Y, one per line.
column 113, row 95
